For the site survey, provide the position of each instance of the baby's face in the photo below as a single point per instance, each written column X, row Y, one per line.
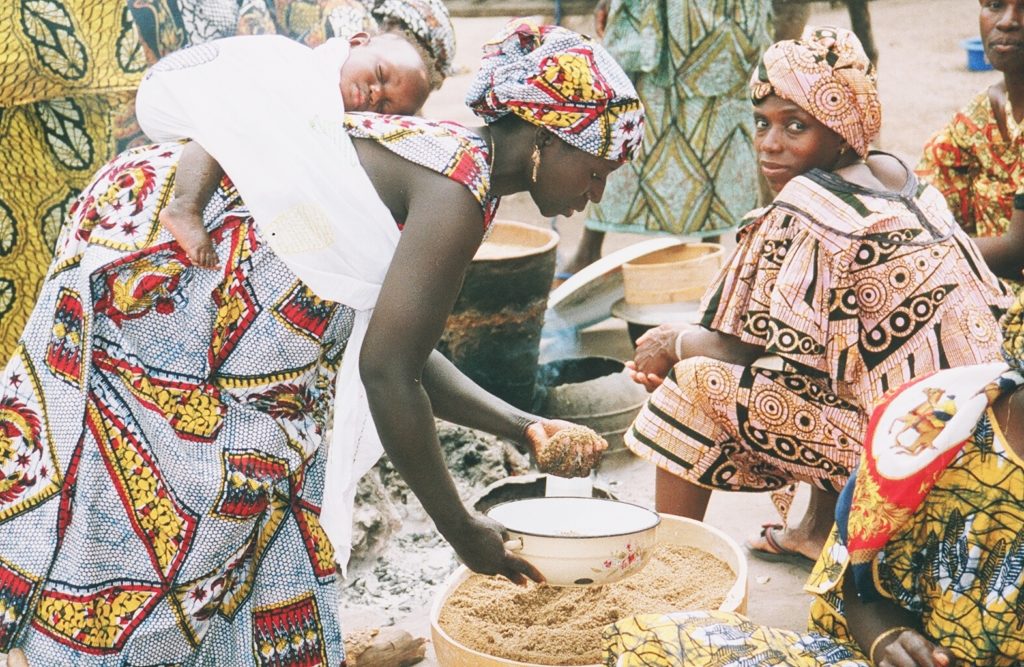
column 384, row 74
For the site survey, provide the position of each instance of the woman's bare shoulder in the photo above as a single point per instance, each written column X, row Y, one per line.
column 879, row 171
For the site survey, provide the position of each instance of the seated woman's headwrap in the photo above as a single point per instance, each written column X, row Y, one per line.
column 561, row 80
column 827, row 74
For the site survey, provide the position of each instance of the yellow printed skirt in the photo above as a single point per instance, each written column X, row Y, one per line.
column 49, row 151
column 719, row 639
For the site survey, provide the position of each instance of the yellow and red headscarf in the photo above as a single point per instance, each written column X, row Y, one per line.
column 827, row 74
column 561, row 80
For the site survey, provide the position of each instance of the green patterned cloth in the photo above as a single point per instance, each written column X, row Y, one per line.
column 690, row 61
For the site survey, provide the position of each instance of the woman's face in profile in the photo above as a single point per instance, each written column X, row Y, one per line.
column 568, row 179
column 789, row 141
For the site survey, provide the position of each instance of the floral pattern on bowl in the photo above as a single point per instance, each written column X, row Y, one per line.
column 614, row 540
column 622, row 561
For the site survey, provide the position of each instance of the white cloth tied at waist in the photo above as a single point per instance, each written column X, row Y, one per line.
column 270, row 111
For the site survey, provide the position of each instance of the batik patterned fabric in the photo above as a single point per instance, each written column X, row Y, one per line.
column 718, row 639
column 975, row 167
column 913, row 434
column 442, row 146
column 856, row 291
column 827, row 74
column 170, row 25
column 956, row 564
column 162, row 451
column 695, row 173
column 162, row 454
column 560, row 80
column 68, row 73
column 344, row 18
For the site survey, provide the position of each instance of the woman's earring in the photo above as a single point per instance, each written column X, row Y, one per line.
column 536, row 163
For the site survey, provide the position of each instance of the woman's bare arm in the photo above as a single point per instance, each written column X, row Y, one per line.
column 1005, row 254
column 443, row 229
column 661, row 348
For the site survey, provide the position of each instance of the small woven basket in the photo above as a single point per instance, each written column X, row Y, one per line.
column 678, row 273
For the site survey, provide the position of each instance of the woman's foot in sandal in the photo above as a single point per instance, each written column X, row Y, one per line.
column 774, row 545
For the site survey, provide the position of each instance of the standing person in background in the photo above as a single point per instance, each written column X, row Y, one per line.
column 975, row 161
column 690, row 61
column 68, row 74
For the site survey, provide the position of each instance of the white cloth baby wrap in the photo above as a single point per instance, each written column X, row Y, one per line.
column 269, row 110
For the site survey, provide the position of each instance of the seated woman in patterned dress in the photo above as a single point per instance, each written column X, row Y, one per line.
column 975, row 160
column 164, row 430
column 854, row 280
column 924, row 567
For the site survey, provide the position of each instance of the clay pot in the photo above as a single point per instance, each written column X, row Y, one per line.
column 591, row 391
column 493, row 333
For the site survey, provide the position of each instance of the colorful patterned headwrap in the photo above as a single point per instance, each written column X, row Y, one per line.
column 424, row 23
column 425, row 20
column 827, row 74
column 558, row 79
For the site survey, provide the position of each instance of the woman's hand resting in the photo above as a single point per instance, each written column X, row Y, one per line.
column 655, row 355
column 912, row 649
column 481, row 546
column 563, row 448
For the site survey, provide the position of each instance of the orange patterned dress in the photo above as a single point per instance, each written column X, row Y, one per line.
column 975, row 167
column 855, row 291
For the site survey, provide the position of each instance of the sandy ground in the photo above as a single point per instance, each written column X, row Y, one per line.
column 923, row 80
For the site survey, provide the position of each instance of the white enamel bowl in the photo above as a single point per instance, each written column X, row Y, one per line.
column 673, row 530
column 579, row 541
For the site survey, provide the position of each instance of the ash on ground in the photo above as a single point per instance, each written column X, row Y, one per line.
column 398, row 558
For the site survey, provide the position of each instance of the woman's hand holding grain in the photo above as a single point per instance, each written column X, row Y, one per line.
column 565, row 449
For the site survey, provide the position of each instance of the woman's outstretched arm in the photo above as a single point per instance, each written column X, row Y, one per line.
column 458, row 399
column 443, row 229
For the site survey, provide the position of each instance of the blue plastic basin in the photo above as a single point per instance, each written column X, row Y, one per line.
column 976, row 60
